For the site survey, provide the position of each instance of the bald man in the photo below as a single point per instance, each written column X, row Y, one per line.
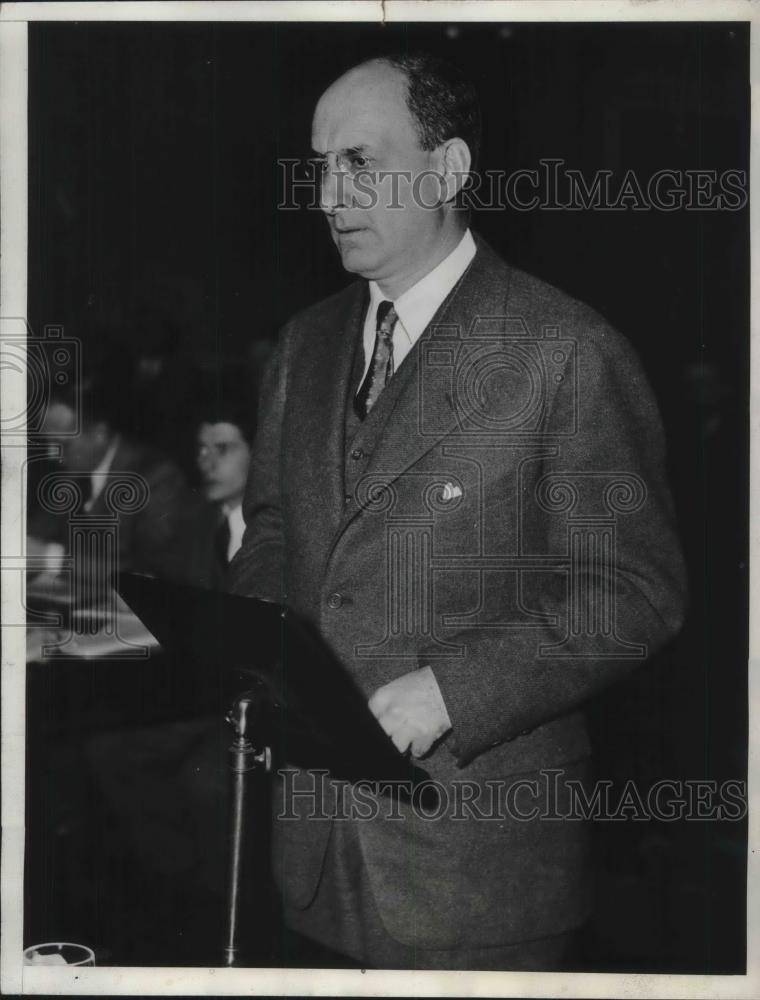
column 400, row 485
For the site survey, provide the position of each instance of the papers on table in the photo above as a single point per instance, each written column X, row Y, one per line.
column 90, row 633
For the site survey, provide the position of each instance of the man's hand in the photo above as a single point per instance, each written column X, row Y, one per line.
column 411, row 710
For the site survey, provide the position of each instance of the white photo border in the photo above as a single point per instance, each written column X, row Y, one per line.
column 14, row 977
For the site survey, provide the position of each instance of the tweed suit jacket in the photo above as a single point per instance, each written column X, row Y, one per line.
column 441, row 535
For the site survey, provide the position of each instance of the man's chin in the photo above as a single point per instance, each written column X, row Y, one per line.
column 357, row 261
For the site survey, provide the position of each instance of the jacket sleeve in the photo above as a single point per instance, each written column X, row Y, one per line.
column 506, row 685
column 257, row 569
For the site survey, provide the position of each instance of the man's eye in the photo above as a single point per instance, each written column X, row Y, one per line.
column 360, row 162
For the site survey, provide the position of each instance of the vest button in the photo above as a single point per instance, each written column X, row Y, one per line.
column 357, row 453
column 347, row 498
column 334, row 601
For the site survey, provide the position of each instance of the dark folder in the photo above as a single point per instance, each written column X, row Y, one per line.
column 315, row 715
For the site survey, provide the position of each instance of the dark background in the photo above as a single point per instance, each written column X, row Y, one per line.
column 154, row 232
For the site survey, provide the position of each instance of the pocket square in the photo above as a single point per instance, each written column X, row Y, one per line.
column 451, row 492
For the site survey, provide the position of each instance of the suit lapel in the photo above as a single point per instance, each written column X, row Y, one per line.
column 321, row 421
column 421, row 411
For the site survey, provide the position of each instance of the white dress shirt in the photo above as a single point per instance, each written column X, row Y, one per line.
column 417, row 306
column 99, row 475
column 236, row 524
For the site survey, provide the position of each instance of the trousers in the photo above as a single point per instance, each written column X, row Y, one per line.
column 343, row 918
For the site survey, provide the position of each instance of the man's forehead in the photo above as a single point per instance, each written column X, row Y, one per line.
column 347, row 137
column 363, row 130
column 362, row 107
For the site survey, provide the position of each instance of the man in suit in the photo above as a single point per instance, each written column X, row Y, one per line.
column 459, row 480
column 108, row 470
column 213, row 531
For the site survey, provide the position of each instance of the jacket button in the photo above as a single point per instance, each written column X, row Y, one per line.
column 357, row 453
column 347, row 498
column 334, row 601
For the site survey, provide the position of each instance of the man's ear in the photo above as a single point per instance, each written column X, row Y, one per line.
column 455, row 167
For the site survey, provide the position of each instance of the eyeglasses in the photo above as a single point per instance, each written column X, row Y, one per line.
column 350, row 162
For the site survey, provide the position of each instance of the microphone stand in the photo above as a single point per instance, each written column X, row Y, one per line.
column 245, row 757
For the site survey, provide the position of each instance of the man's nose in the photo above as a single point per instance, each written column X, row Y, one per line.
column 333, row 190
column 206, row 463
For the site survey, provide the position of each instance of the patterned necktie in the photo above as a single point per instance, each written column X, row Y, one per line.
column 381, row 367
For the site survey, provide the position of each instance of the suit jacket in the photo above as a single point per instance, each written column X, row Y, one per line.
column 198, row 558
column 516, row 425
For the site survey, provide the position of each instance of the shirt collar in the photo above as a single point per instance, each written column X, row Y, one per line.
column 233, row 513
column 417, row 306
column 99, row 473
column 236, row 524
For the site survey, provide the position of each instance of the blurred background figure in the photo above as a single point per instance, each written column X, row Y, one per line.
column 213, row 532
column 91, row 425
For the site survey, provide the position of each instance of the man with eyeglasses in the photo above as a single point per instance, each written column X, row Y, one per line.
column 412, row 430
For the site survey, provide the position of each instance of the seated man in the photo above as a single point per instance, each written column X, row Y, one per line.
column 110, row 473
column 213, row 532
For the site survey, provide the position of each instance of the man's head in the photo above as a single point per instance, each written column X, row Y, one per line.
column 396, row 138
column 84, row 420
column 223, row 443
